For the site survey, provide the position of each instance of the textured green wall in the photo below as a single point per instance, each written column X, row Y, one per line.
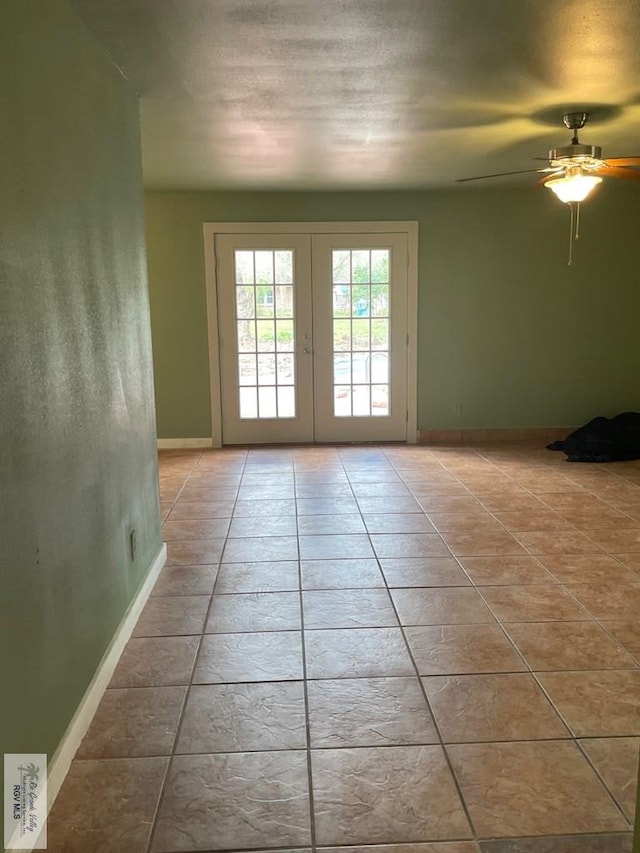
column 506, row 328
column 77, row 433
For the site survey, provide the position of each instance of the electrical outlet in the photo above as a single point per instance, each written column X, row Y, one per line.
column 458, row 409
column 132, row 545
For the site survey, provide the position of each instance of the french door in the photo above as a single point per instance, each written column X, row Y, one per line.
column 312, row 336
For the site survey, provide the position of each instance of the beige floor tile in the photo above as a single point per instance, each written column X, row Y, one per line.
column 602, row 843
column 440, row 606
column 379, row 475
column 398, row 522
column 210, row 528
column 254, row 611
column 156, row 662
column 463, row 522
column 133, row 722
column 315, row 525
column 458, row 649
column 275, row 525
column 450, row 488
column 523, row 502
column 558, row 542
column 608, row 600
column 567, row 645
column 261, row 656
column 423, row 571
column 632, row 561
column 596, row 704
column 251, row 800
column 389, row 545
column 340, row 574
column 400, row 503
column 320, row 489
column 355, row 804
column 266, row 492
column 618, row 541
column 129, row 789
column 529, row 788
column 497, row 707
column 627, row 633
column 372, row 490
column 186, row 510
column 616, row 760
column 525, row 520
column 261, row 477
column 267, row 576
column 185, row 580
column 327, row 506
column 353, row 608
column 587, row 568
column 337, row 546
column 264, row 508
column 202, row 494
column 194, row 552
column 261, row 548
column 165, row 616
column 444, row 503
column 543, row 602
column 356, row 652
column 369, row 712
column 212, row 480
column 243, row 717
column 597, row 519
column 480, row 544
column 504, row 571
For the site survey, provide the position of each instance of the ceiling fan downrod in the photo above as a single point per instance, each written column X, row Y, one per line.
column 575, row 122
column 575, row 153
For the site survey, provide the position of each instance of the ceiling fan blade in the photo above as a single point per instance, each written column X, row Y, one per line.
column 623, row 161
column 618, row 172
column 502, row 174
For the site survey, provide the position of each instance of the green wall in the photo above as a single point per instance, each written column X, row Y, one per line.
column 506, row 328
column 77, row 435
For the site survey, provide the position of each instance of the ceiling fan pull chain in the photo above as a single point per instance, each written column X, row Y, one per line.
column 578, row 221
column 571, row 236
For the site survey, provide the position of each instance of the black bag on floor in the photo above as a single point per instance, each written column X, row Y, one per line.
column 603, row 440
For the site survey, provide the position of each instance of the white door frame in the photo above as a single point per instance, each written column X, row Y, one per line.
column 410, row 228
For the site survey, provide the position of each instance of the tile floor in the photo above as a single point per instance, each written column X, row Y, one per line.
column 432, row 649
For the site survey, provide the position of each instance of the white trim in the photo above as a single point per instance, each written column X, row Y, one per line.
column 77, row 728
column 412, row 331
column 408, row 227
column 184, row 443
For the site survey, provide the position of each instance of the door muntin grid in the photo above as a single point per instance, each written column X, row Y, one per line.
column 265, row 333
column 361, row 332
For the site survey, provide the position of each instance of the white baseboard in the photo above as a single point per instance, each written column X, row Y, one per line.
column 77, row 728
column 184, row 443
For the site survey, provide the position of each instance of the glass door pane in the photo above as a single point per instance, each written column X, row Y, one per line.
column 264, row 296
column 360, row 281
column 265, row 318
column 360, row 336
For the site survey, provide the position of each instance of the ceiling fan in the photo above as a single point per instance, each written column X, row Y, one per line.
column 574, row 170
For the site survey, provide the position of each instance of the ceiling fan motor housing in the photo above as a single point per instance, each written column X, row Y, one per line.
column 576, row 154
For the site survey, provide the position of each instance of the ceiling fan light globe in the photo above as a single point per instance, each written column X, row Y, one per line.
column 573, row 188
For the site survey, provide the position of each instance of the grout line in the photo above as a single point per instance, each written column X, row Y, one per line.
column 312, row 816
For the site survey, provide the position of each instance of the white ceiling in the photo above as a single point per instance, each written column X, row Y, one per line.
column 361, row 94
